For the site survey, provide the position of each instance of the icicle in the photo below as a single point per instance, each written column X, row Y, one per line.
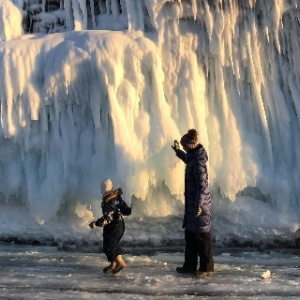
column 69, row 14
column 194, row 9
column 92, row 8
column 115, row 8
column 108, row 7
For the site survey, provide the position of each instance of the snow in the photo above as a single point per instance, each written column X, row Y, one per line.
column 10, row 21
column 44, row 272
column 105, row 94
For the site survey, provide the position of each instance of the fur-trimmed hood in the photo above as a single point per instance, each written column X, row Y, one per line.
column 113, row 194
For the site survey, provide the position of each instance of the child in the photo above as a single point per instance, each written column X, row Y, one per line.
column 112, row 221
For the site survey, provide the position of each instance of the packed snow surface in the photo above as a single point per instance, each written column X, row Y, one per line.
column 45, row 273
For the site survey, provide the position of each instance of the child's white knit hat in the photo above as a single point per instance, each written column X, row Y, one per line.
column 106, row 186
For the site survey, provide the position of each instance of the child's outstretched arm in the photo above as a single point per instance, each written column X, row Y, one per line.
column 104, row 220
column 92, row 224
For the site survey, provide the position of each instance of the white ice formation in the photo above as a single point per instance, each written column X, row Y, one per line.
column 93, row 89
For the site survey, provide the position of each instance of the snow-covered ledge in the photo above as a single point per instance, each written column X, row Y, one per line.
column 10, row 20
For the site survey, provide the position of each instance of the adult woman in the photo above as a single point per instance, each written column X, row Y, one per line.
column 197, row 214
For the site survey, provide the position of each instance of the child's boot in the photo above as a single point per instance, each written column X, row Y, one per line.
column 120, row 264
column 110, row 268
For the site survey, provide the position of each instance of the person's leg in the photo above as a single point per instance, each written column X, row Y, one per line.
column 190, row 254
column 205, row 252
column 117, row 234
column 112, row 235
column 111, row 238
column 116, row 251
column 106, row 248
column 106, row 242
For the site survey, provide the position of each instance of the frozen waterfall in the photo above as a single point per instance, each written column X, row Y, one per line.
column 94, row 89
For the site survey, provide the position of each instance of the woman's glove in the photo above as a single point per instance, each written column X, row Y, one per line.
column 175, row 146
column 198, row 212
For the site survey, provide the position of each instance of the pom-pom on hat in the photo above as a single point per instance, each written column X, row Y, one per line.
column 106, row 186
column 190, row 139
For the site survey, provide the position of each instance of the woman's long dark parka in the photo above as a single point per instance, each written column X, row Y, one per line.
column 197, row 193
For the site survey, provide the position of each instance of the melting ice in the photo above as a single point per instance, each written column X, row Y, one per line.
column 102, row 89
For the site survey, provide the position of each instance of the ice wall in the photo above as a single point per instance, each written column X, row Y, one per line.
column 11, row 18
column 81, row 105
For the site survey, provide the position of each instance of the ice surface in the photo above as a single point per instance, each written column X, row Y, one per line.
column 45, row 273
column 106, row 92
column 10, row 21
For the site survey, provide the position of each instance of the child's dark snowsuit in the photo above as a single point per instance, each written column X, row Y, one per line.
column 113, row 209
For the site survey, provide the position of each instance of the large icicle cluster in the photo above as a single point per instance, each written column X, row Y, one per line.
column 83, row 104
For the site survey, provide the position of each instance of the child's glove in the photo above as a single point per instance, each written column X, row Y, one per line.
column 92, row 224
column 175, row 146
column 198, row 212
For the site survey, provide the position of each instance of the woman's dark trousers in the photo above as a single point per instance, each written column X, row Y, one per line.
column 198, row 244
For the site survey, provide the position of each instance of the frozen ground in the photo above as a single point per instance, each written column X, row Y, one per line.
column 29, row 272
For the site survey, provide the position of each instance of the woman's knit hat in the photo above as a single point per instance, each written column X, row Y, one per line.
column 190, row 139
column 106, row 186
